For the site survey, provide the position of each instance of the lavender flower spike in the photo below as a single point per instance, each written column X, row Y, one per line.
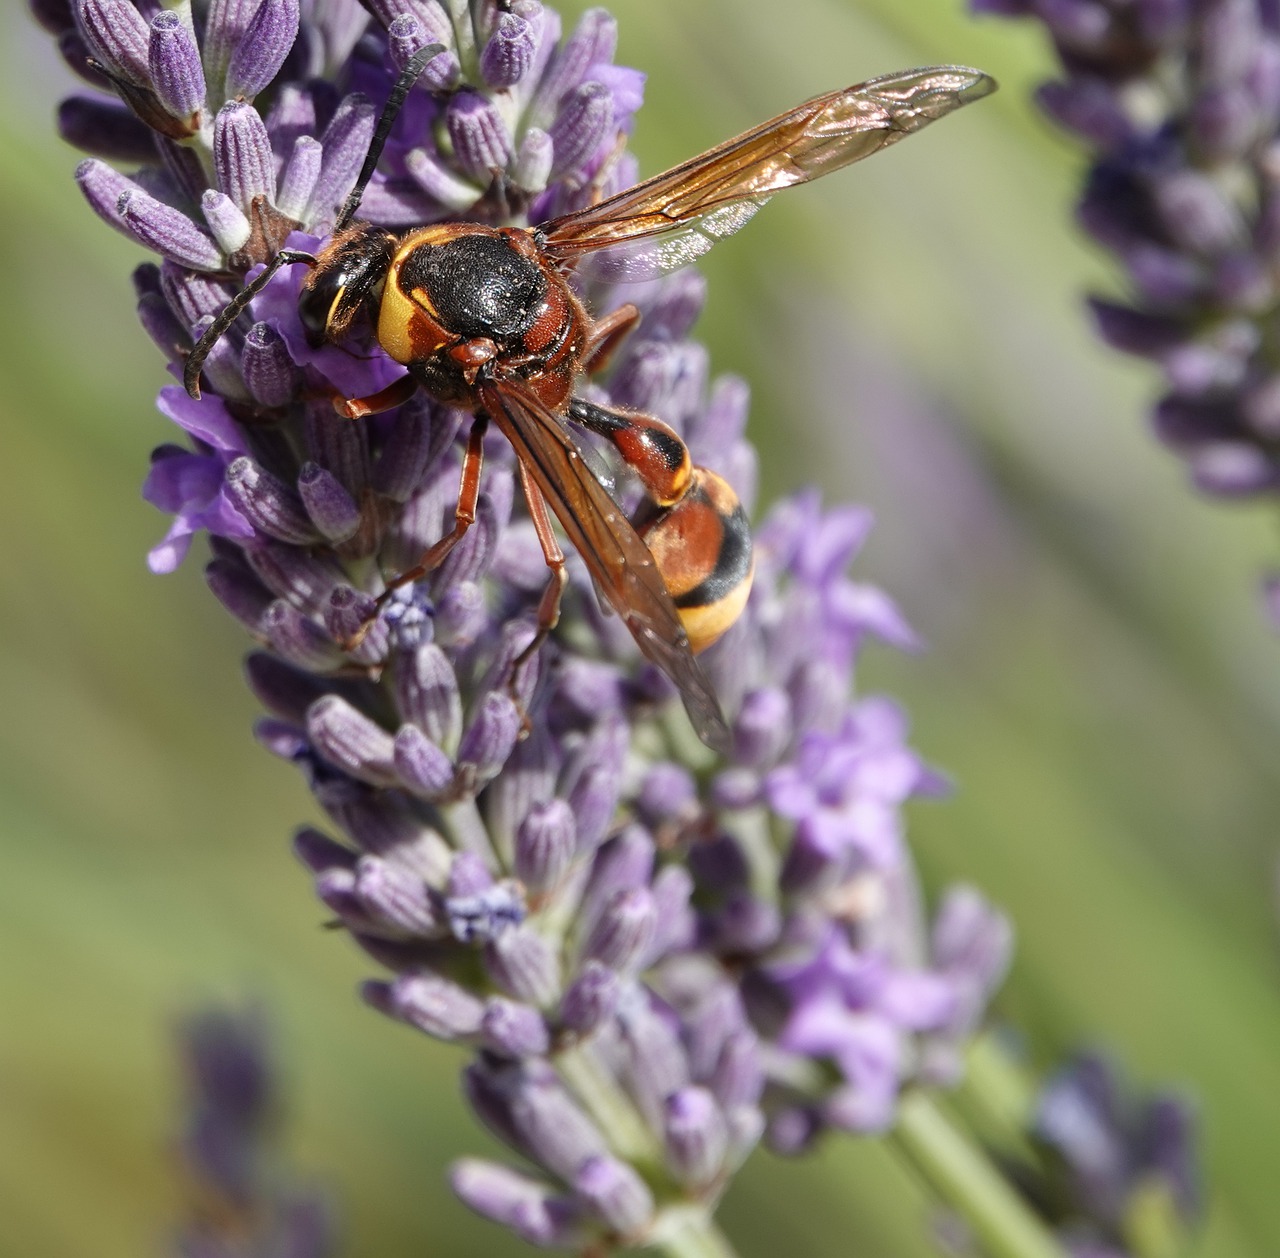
column 648, row 956
column 1179, row 108
column 225, row 1144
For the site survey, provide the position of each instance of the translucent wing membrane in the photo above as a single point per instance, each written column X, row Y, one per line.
column 619, row 561
column 670, row 220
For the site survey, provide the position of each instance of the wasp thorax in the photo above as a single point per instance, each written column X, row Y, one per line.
column 478, row 285
column 349, row 274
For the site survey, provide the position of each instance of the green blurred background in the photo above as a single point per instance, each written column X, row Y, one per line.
column 1100, row 681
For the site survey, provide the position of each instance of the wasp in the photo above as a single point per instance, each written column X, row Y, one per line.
column 486, row 319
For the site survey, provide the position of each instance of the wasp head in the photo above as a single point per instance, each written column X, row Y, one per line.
column 347, row 278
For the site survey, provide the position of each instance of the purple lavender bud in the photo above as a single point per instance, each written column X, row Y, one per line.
column 352, row 612
column 350, row 741
column 624, row 863
column 545, row 845
column 1232, row 468
column 105, row 128
column 439, row 182
column 300, row 640
column 177, row 74
column 469, row 875
column 524, row 965
column 431, row 17
column 192, row 297
column 159, row 323
column 431, row 1003
column 590, row 999
column 676, row 924
column 514, row 1030
column 262, row 50
column 623, row 931
column 1089, row 108
column 594, row 800
column 763, row 727
column 54, row 15
column 298, row 179
column 319, row 852
column 239, row 592
column 422, row 766
column 328, row 505
column 508, row 55
column 531, row 167
column 242, row 155
column 551, row 1127
column 480, row 138
column 581, row 128
column 1223, row 121
column 525, row 1205
column 408, row 34
column 340, row 446
column 283, row 690
column 656, row 1064
column 268, row 503
column 394, row 895
column 616, row 1193
column 166, row 230
column 417, row 438
column 491, row 736
column 1229, row 32
column 344, row 144
column 745, row 924
column 695, row 1137
column 426, row 690
column 738, row 1078
column 229, row 226
column 667, row 793
column 273, row 380
column 592, row 43
column 117, row 35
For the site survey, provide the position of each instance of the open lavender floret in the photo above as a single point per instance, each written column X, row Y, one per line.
column 651, row 954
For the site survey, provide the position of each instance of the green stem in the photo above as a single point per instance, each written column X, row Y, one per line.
column 690, row 1233
column 967, row 1181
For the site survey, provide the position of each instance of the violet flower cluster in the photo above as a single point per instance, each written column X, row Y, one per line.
column 240, row 1208
column 651, row 955
column 1122, row 1180
column 1179, row 105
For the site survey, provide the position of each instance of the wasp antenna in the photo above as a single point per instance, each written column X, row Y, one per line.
column 404, row 84
column 231, row 312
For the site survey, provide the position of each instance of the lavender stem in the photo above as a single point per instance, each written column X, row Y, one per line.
column 962, row 1175
column 692, row 1234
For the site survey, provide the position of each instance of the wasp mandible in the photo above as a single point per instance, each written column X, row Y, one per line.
column 485, row 318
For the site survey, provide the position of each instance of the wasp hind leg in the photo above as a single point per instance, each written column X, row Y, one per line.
column 549, row 603
column 464, row 517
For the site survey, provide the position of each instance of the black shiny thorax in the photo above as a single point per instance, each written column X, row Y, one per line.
column 478, row 285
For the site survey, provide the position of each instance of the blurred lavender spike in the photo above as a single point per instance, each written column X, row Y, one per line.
column 1179, row 108
column 239, row 1202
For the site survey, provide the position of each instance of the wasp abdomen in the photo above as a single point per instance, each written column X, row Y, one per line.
column 702, row 546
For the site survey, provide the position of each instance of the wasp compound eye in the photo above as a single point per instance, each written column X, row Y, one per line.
column 350, row 274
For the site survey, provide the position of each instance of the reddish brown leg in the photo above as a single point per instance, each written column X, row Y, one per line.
column 396, row 393
column 605, row 335
column 464, row 517
column 549, row 604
